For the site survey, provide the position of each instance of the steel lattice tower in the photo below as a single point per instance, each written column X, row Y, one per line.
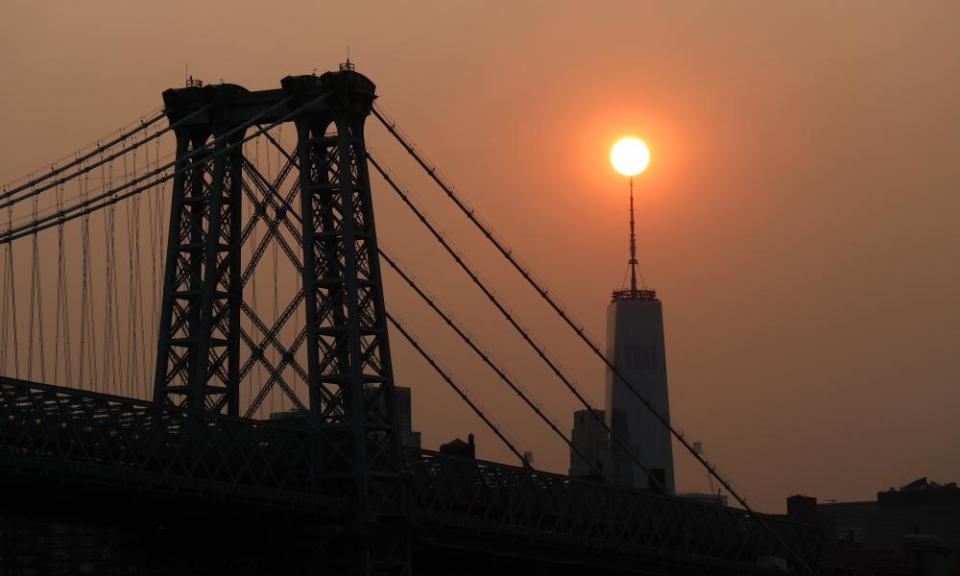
column 198, row 359
column 351, row 396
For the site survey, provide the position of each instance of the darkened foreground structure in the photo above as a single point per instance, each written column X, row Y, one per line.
column 914, row 530
column 187, row 484
column 135, row 484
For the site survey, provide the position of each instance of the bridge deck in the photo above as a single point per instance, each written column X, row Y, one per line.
column 84, row 438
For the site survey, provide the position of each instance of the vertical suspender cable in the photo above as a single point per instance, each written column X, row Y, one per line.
column 129, row 379
column 63, row 308
column 4, row 314
column 274, row 256
column 256, row 381
column 12, row 292
column 88, row 352
column 153, row 217
column 111, row 377
column 36, row 305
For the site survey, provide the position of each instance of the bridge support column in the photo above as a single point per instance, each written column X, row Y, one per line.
column 198, row 359
column 350, row 373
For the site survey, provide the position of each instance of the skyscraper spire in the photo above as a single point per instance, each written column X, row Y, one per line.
column 633, row 247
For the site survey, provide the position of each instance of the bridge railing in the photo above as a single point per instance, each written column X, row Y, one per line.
column 488, row 499
column 106, row 438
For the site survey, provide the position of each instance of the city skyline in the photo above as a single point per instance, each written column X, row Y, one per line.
column 796, row 219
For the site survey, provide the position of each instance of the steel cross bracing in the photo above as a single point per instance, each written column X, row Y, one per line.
column 333, row 248
column 198, row 361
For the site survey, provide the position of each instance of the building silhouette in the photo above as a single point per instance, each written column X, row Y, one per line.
column 636, row 347
column 637, row 405
column 911, row 530
column 408, row 437
column 590, row 438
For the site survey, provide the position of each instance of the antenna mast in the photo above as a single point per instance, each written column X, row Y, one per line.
column 633, row 247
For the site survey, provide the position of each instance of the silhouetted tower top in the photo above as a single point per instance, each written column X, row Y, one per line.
column 633, row 293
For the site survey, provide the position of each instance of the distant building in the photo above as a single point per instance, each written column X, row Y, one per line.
column 404, row 413
column 635, row 345
column 590, row 438
column 912, row 530
column 459, row 448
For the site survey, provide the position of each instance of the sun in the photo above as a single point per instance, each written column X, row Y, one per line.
column 630, row 156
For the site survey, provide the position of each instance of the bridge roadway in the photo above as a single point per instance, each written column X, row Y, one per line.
column 160, row 480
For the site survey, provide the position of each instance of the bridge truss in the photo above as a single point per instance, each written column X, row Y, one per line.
column 194, row 464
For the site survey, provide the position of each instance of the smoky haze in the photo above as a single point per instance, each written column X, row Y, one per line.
column 797, row 220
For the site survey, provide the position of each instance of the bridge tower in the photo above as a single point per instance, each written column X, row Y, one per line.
column 351, row 401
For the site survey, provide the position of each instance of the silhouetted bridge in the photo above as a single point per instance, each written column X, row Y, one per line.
column 191, row 480
column 106, row 455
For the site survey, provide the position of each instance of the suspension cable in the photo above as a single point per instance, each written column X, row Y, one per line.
column 524, row 333
column 96, row 147
column 103, row 159
column 466, row 339
column 63, row 308
column 460, row 392
column 578, row 330
column 109, row 198
column 13, row 302
column 486, row 360
column 4, row 309
column 88, row 358
column 36, row 308
column 110, row 337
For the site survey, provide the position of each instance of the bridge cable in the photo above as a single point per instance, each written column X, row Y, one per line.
column 87, row 168
column 460, row 392
column 578, row 330
column 107, row 199
column 111, row 375
column 257, row 380
column 287, row 210
column 3, row 315
column 156, row 223
column 136, row 287
column 88, row 357
column 524, row 333
column 129, row 379
column 138, row 280
column 36, row 308
column 450, row 322
column 79, row 160
column 275, row 257
column 63, row 308
column 110, row 197
column 12, row 286
column 486, row 359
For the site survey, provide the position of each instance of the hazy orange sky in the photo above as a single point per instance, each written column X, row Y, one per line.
column 797, row 220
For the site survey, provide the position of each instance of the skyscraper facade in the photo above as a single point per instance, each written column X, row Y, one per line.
column 635, row 345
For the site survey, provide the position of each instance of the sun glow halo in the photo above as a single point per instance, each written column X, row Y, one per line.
column 630, row 156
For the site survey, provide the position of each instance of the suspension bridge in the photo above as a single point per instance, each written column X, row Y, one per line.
column 167, row 289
